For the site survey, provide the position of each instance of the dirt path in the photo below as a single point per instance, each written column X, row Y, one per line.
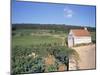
column 87, row 56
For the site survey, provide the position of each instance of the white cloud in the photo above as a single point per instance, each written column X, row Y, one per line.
column 68, row 13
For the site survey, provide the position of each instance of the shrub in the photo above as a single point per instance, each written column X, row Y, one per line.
column 22, row 63
column 52, row 68
column 62, row 54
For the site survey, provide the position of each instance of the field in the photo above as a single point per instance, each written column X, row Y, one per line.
column 37, row 37
column 41, row 49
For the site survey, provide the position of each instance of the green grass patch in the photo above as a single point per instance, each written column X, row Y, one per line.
column 35, row 40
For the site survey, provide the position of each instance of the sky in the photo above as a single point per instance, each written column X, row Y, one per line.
column 53, row 13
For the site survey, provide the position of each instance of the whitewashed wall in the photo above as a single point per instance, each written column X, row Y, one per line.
column 79, row 40
column 70, row 39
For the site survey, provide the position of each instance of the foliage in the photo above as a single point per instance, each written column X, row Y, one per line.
column 31, row 46
column 57, row 27
column 51, row 68
column 63, row 54
column 23, row 63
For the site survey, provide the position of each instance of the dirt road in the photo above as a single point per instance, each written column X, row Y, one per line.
column 87, row 56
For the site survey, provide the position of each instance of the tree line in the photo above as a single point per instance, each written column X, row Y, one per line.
column 60, row 27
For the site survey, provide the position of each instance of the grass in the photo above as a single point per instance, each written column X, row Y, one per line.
column 42, row 37
column 35, row 40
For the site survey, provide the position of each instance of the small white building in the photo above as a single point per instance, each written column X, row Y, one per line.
column 78, row 36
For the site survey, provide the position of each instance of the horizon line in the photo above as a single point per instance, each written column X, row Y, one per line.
column 57, row 24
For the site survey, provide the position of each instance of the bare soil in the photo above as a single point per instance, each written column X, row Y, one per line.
column 49, row 60
column 62, row 67
column 87, row 56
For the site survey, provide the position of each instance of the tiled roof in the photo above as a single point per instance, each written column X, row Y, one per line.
column 80, row 32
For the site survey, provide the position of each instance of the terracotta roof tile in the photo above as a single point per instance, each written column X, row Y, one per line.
column 80, row 32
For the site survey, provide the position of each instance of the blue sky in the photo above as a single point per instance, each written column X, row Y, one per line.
column 47, row 13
